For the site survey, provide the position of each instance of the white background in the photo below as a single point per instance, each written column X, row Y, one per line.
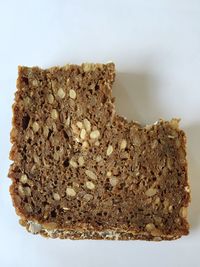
column 156, row 48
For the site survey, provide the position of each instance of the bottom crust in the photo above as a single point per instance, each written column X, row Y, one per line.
column 36, row 228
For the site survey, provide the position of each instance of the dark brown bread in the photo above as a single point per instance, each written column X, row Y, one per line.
column 82, row 172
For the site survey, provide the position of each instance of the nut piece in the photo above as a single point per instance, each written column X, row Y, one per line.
column 109, row 150
column 81, row 161
column 23, row 179
column 35, row 126
column 90, row 185
column 54, row 114
column 70, row 192
column 95, row 134
column 151, row 192
column 113, row 181
column 61, row 93
column 87, row 125
column 83, row 134
column 123, row 144
column 50, row 98
column 56, row 196
column 72, row 94
column 73, row 163
column 91, row 174
column 183, row 212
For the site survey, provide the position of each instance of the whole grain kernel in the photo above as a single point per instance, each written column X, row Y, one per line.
column 151, row 192
column 75, row 129
column 91, row 174
column 72, row 94
column 169, row 163
column 35, row 83
column 183, row 212
column 87, row 125
column 187, row 189
column 123, row 144
column 23, row 179
column 88, row 197
column 83, row 134
column 95, row 134
column 171, row 136
column 170, row 208
column 90, row 185
column 85, row 144
column 61, row 93
column 27, row 191
column 21, row 190
column 67, row 123
column 35, row 127
column 157, row 200
column 166, row 204
column 87, row 67
column 157, row 238
column 56, row 196
column 70, row 192
column 81, row 161
column 27, row 101
column 56, row 156
column 113, row 181
column 76, row 184
column 46, row 131
column 73, row 163
column 50, row 98
column 97, row 143
column 98, row 158
column 34, row 227
column 174, row 123
column 109, row 173
column 50, row 225
column 54, row 114
column 154, row 144
column 28, row 208
column 36, row 158
column 65, row 208
column 79, row 124
column 109, row 150
column 150, row 227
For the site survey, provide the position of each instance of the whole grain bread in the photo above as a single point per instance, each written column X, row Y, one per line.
column 81, row 171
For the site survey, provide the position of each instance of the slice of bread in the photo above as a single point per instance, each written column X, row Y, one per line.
column 80, row 171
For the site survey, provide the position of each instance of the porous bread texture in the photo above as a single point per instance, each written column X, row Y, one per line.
column 81, row 171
